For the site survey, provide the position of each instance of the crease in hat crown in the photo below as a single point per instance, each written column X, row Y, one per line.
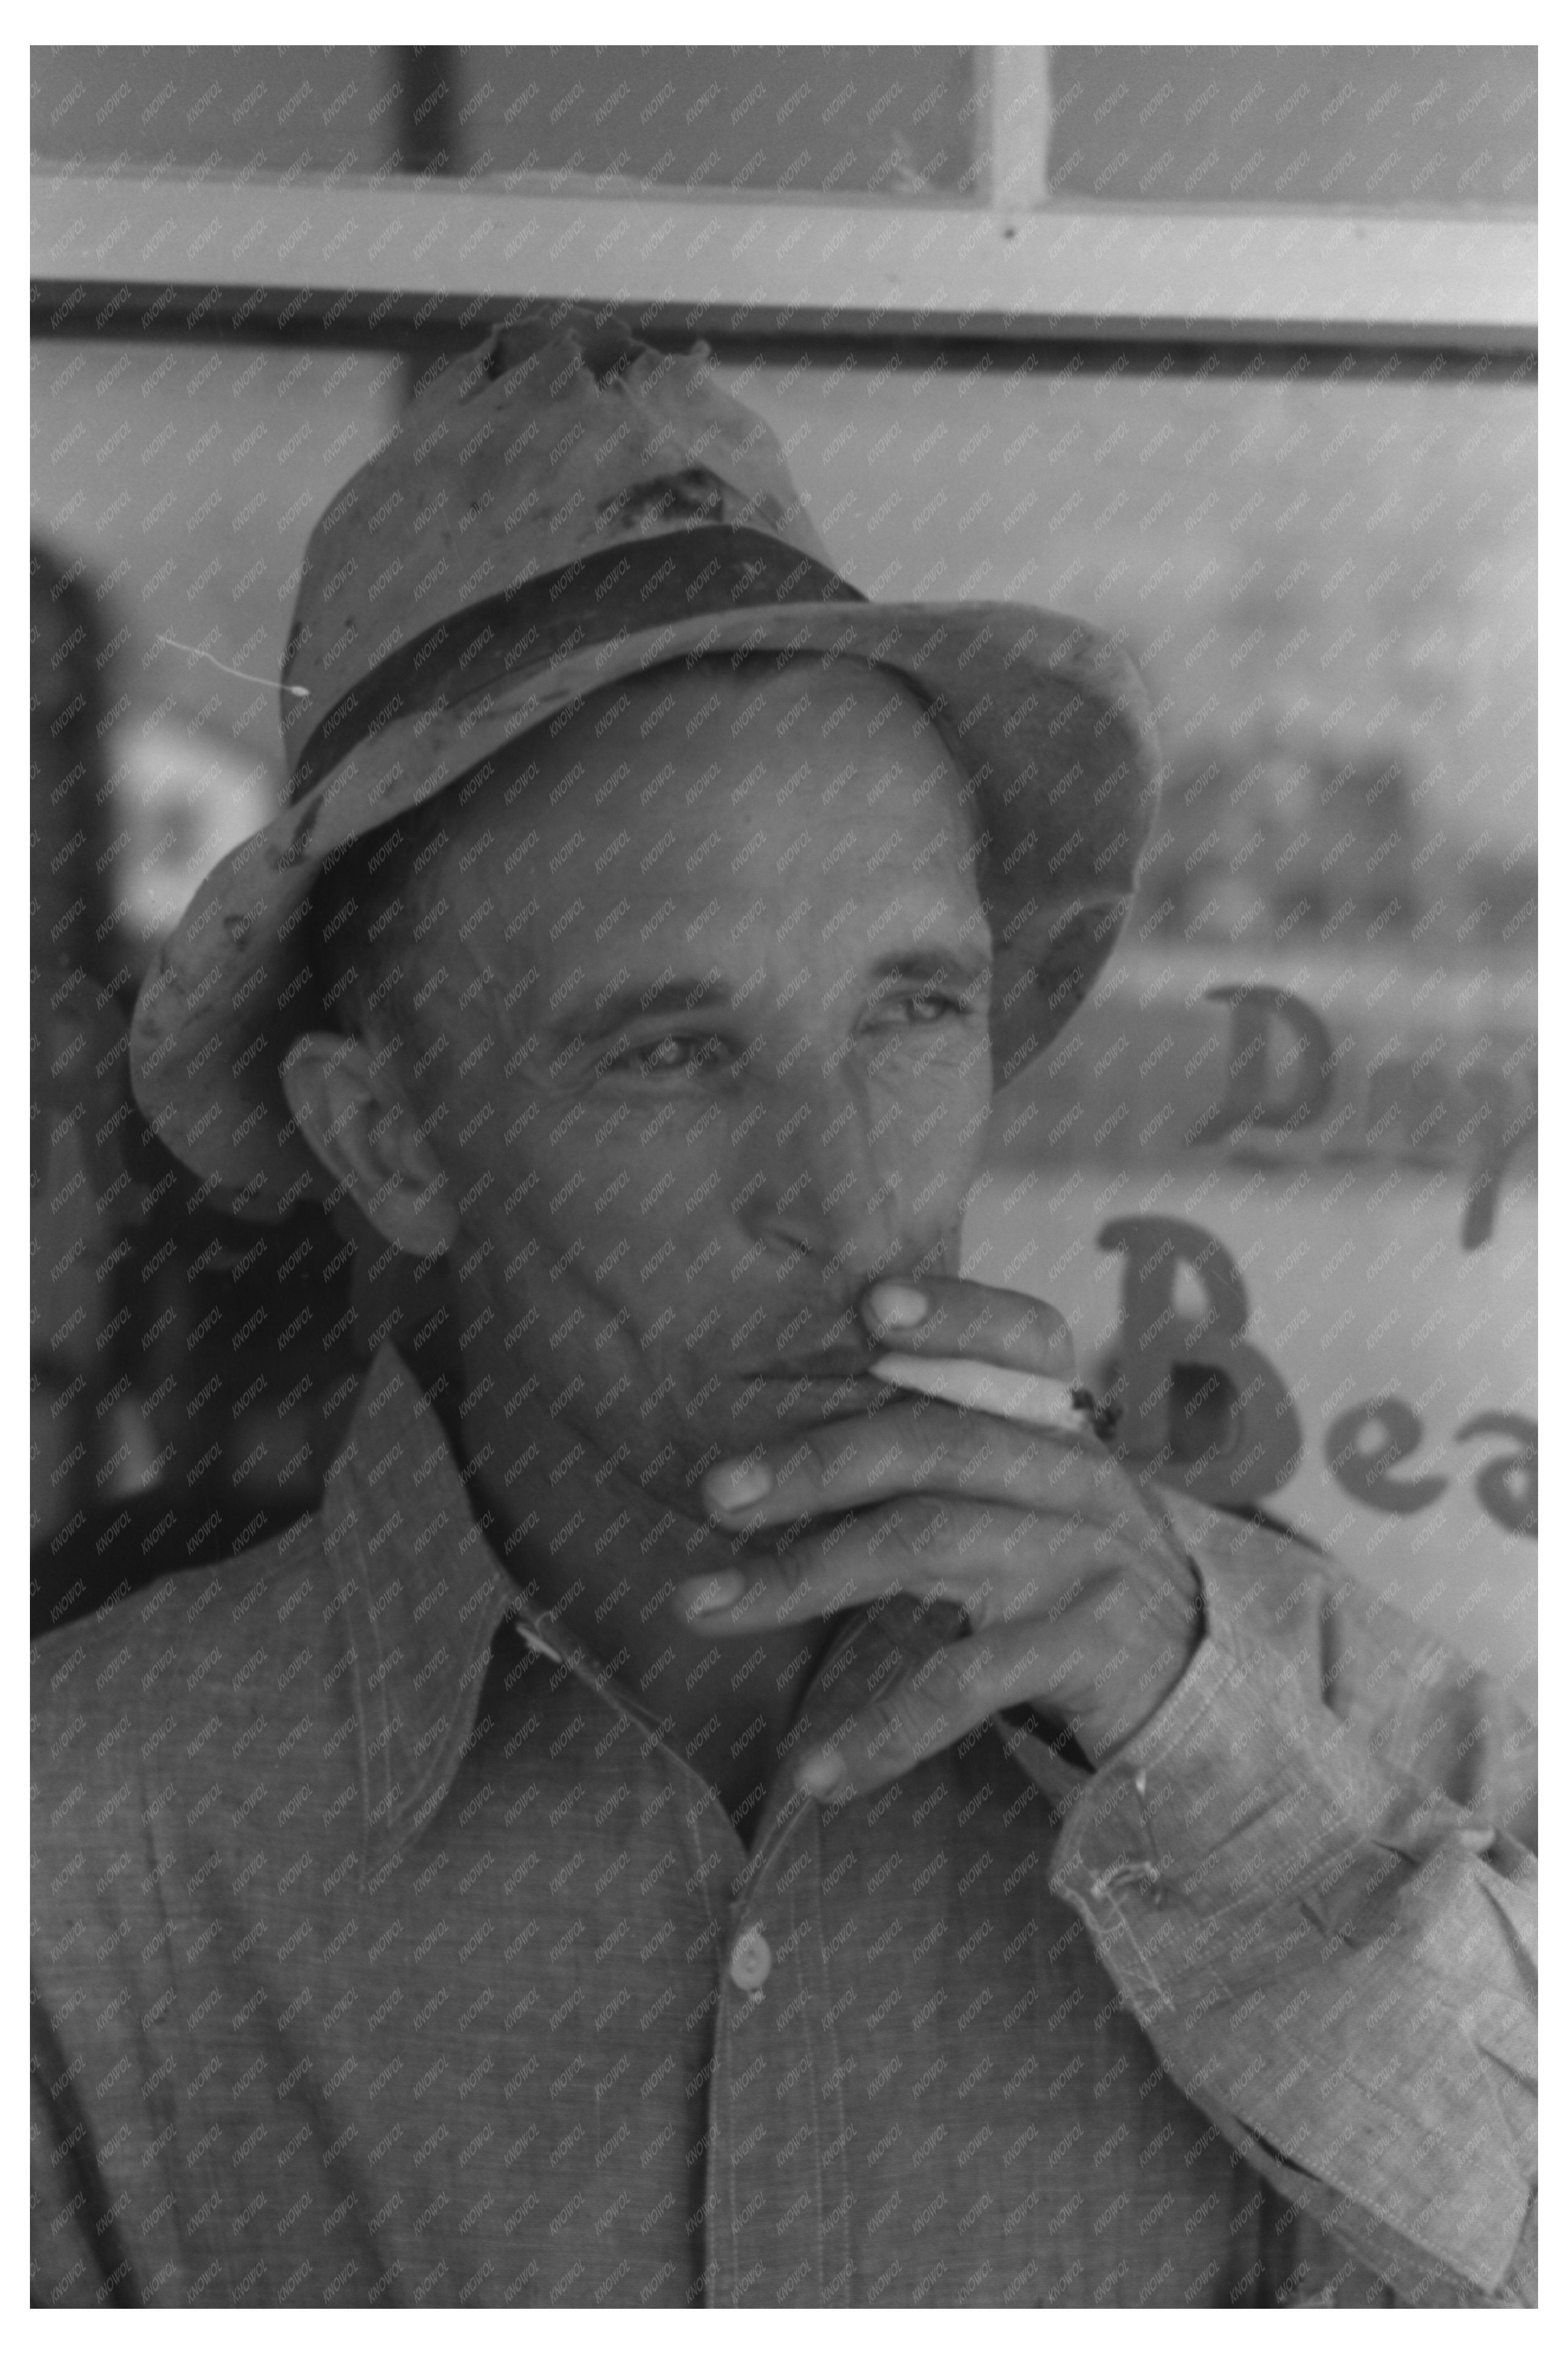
column 563, row 437
column 563, row 510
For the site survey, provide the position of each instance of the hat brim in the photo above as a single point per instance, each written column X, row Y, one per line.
column 1045, row 716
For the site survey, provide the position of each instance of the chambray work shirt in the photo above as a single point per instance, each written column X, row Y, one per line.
column 385, row 1953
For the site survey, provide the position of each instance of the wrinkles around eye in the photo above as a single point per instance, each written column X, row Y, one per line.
column 676, row 1053
column 680, row 1054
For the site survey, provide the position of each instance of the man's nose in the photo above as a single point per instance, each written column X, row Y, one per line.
column 828, row 1185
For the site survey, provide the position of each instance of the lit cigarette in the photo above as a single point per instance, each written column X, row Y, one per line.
column 1032, row 1398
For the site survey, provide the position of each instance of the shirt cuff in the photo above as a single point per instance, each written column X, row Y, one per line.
column 1277, row 1907
column 1247, row 1814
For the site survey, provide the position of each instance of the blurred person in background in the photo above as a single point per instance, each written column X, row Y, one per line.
column 184, row 798
column 140, row 1460
column 81, row 1197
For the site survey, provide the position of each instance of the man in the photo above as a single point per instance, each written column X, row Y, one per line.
column 695, row 1818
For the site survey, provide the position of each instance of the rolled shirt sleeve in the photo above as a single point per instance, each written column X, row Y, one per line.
column 1308, row 1876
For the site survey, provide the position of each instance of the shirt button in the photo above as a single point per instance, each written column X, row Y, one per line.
column 751, row 1958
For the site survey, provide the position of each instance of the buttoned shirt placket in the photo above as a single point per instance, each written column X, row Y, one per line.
column 775, row 2119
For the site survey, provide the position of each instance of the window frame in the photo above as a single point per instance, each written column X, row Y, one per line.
column 388, row 256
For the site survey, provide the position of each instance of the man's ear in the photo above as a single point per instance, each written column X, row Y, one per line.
column 356, row 1122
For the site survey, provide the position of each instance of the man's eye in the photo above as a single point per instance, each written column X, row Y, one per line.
column 676, row 1052
column 920, row 1008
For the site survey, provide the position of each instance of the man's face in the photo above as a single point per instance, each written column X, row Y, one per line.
column 716, row 1013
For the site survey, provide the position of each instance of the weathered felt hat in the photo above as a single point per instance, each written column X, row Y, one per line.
column 566, row 508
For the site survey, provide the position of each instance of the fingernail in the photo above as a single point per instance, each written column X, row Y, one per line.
column 735, row 1485
column 900, row 1306
column 820, row 1776
column 713, row 1593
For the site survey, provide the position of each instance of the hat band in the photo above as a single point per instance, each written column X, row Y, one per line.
column 716, row 569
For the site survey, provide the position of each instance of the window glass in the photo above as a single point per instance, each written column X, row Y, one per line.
column 899, row 121
column 1292, row 1136
column 235, row 109
column 1300, row 125
column 1279, row 1174
column 181, row 481
column 1167, row 125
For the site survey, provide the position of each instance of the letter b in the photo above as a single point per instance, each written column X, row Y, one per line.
column 1198, row 1399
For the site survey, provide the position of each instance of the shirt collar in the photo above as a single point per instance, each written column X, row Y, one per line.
column 424, row 1595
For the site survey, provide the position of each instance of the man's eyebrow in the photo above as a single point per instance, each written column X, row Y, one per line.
column 962, row 963
column 691, row 994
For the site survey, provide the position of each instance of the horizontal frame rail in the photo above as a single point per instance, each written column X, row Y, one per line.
column 398, row 255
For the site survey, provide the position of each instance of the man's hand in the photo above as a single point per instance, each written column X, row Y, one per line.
column 1080, row 1601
